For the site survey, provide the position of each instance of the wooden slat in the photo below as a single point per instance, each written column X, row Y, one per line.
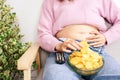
column 27, row 74
column 26, row 60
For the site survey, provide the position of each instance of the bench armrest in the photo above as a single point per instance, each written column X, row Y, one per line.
column 25, row 61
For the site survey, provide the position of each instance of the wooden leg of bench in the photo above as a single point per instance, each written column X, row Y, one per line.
column 27, row 74
column 38, row 62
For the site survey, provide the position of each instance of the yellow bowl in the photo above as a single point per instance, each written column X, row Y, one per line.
column 85, row 72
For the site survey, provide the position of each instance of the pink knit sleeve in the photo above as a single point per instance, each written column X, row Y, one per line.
column 112, row 14
column 45, row 36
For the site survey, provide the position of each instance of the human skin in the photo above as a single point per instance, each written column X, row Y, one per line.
column 79, row 32
column 56, row 15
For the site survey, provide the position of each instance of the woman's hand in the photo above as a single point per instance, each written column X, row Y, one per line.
column 97, row 39
column 68, row 45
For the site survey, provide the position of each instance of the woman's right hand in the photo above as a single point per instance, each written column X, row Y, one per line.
column 68, row 45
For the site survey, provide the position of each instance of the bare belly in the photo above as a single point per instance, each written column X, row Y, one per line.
column 78, row 32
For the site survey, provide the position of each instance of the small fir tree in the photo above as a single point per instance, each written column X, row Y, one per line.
column 10, row 46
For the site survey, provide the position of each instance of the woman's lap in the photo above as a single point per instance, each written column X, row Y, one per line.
column 110, row 71
column 53, row 71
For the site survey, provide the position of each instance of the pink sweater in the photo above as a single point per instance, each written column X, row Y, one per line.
column 55, row 15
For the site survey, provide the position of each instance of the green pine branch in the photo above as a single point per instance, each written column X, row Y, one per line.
column 10, row 46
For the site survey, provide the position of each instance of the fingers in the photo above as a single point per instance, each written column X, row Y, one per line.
column 94, row 32
column 97, row 40
column 66, row 50
column 97, row 44
column 72, row 44
column 68, row 45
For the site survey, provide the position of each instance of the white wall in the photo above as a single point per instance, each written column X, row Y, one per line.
column 28, row 14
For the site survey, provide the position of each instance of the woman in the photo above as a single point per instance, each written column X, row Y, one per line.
column 77, row 20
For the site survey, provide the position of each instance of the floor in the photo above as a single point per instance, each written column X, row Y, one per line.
column 34, row 74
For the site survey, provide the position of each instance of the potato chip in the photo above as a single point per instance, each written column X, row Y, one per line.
column 86, row 58
column 75, row 60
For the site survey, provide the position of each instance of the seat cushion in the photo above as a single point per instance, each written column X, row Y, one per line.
column 43, row 57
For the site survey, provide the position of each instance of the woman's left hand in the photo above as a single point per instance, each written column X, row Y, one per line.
column 97, row 39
